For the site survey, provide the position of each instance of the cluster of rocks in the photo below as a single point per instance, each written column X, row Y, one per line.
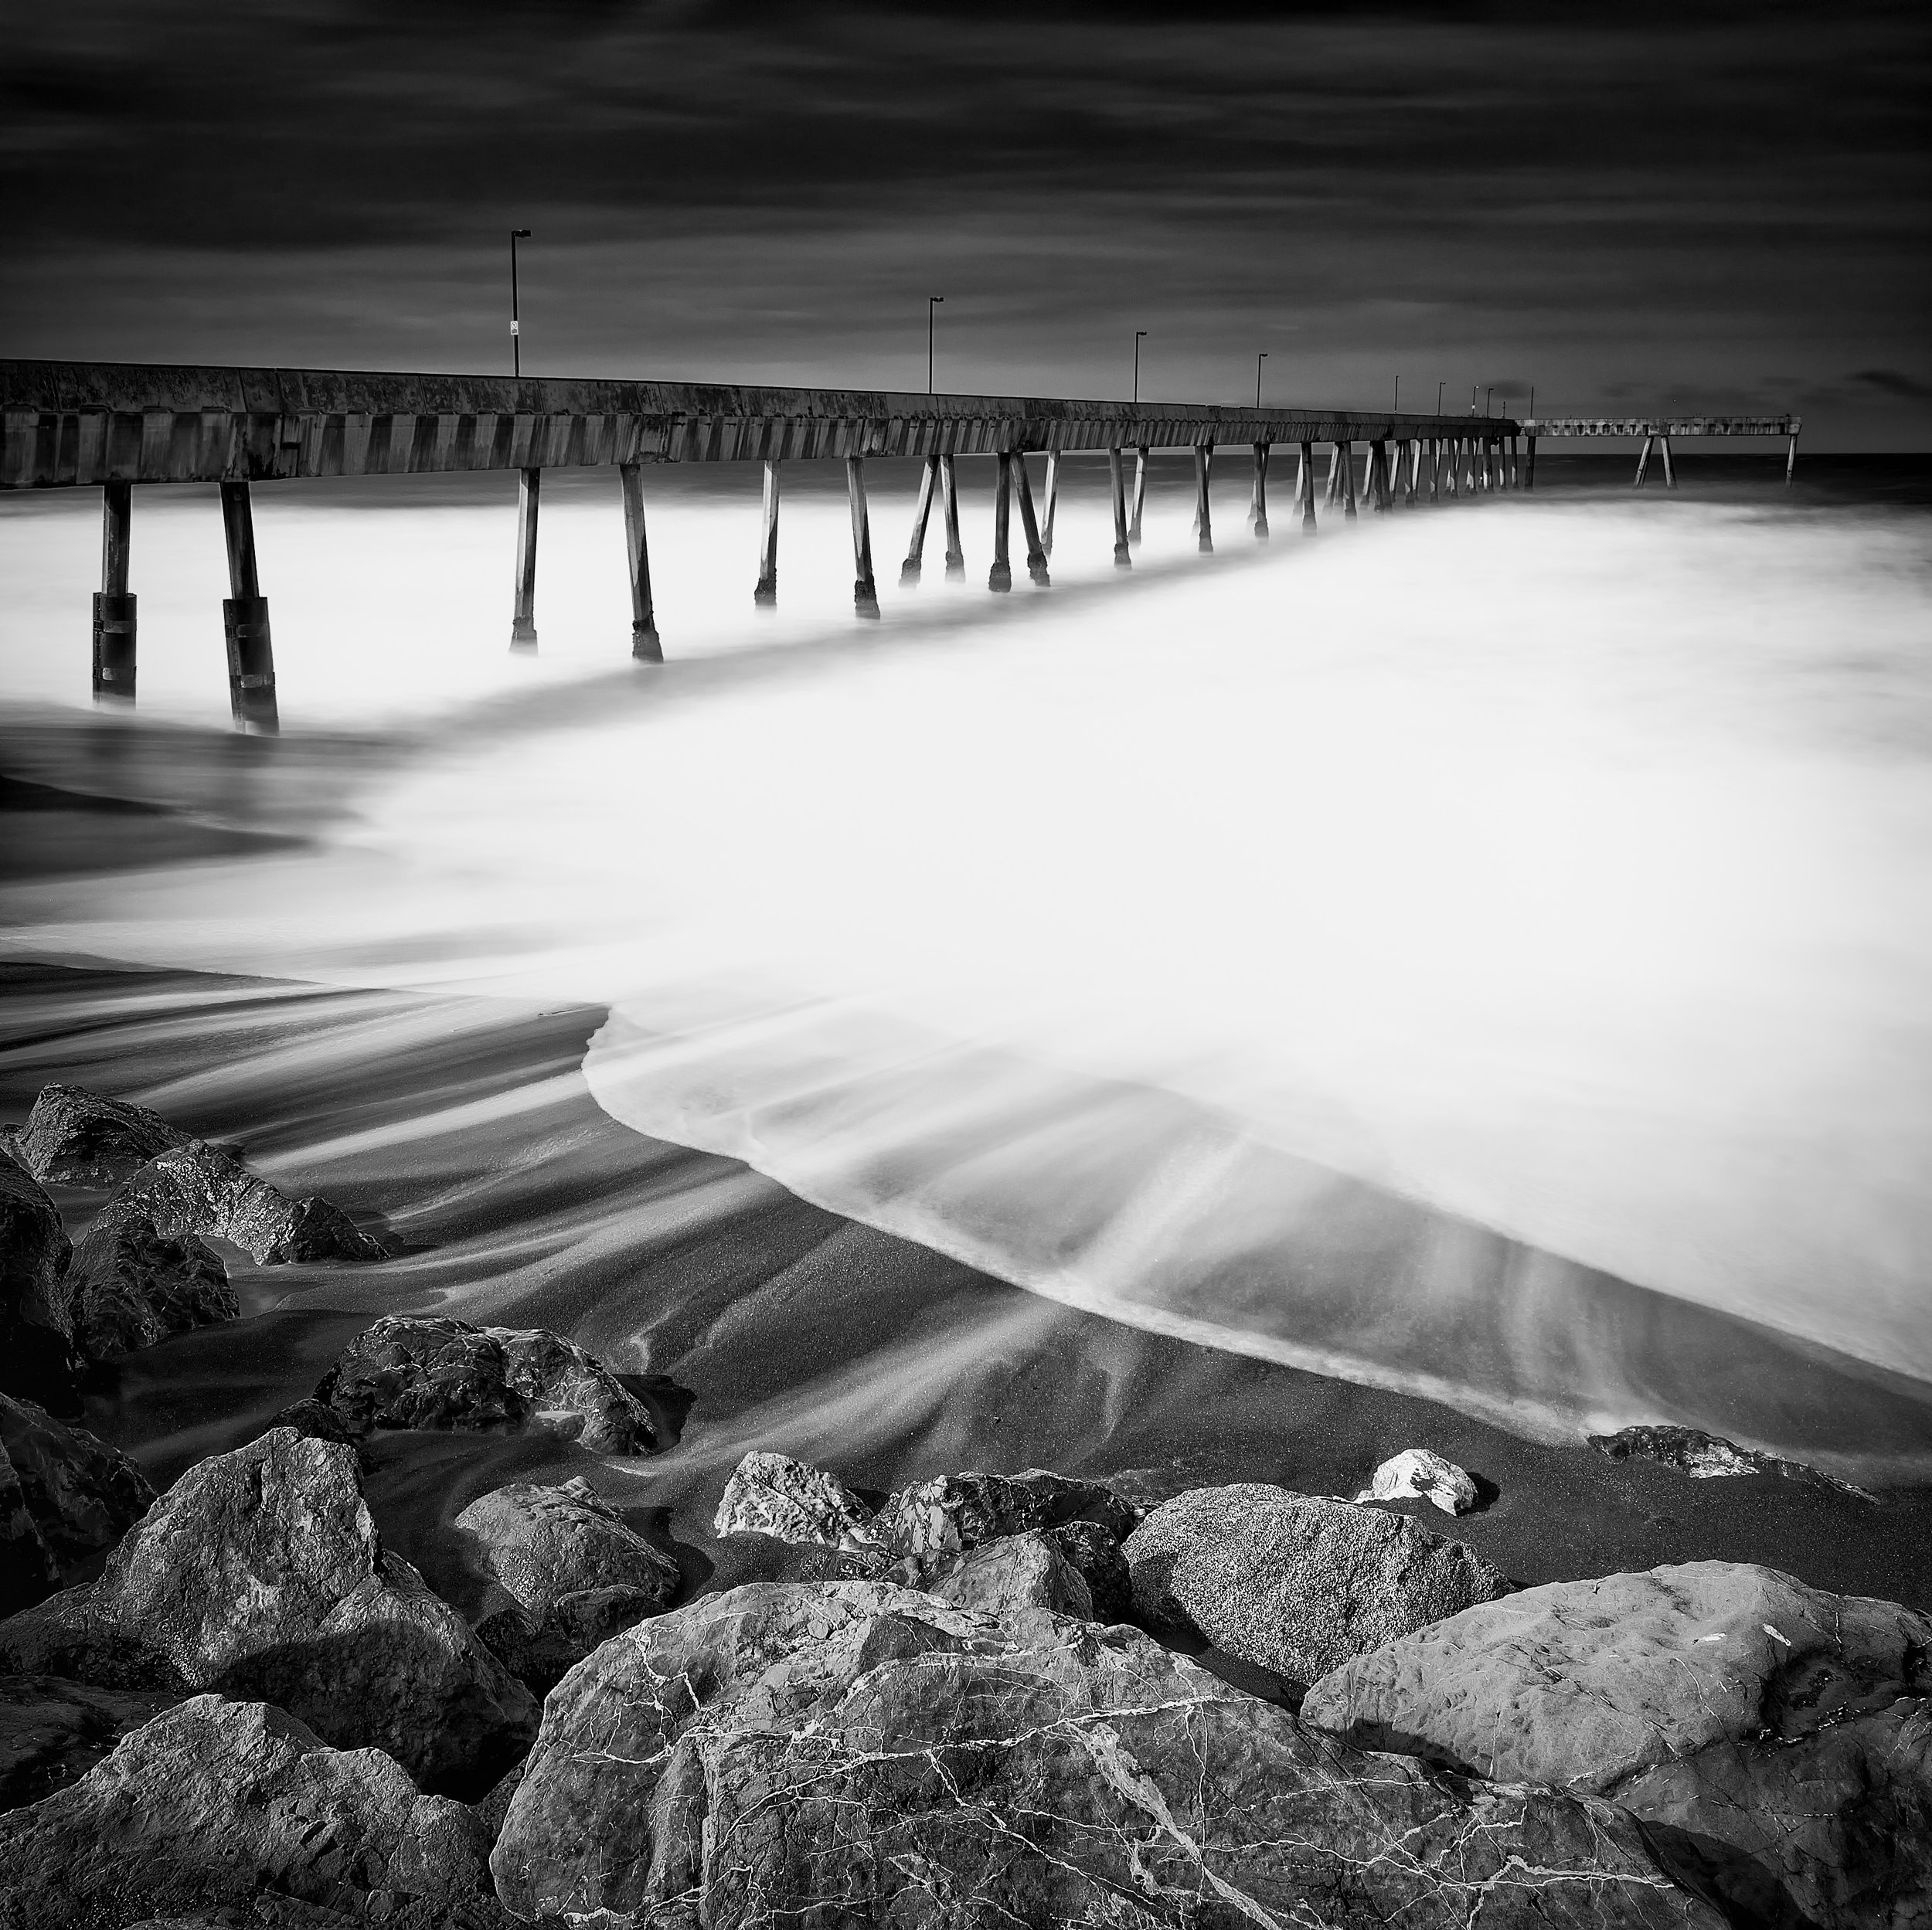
column 1706, row 1457
column 143, row 1268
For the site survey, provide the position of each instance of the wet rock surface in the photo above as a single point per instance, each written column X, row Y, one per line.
column 260, row 1576
column 53, row 1731
column 574, row 1573
column 200, row 1189
column 38, row 1360
column 64, row 1496
column 74, row 1137
column 216, row 1803
column 792, row 1501
column 856, row 1752
column 412, row 1371
column 130, row 1285
column 1707, row 1456
column 1775, row 1739
column 1294, row 1583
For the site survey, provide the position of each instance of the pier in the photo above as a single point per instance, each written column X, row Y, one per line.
column 113, row 425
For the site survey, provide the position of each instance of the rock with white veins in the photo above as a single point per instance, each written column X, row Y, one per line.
column 854, row 1752
column 1776, row 1740
column 1418, row 1473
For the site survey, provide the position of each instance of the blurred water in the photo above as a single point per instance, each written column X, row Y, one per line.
column 1556, row 864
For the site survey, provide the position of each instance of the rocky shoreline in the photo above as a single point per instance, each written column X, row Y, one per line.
column 978, row 1698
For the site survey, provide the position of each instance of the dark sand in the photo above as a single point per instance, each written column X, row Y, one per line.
column 467, row 1128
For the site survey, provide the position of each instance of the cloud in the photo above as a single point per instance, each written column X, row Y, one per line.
column 1890, row 382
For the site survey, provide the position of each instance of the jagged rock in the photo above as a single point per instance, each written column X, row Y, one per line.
column 214, row 1803
column 1416, row 1472
column 37, row 1355
column 313, row 1420
column 64, row 1496
column 1706, row 1457
column 1018, row 1571
column 426, row 1371
column 130, row 1285
column 197, row 1188
column 857, row 1753
column 1090, row 1547
column 773, row 1494
column 935, row 1521
column 260, row 1574
column 736, row 1559
column 1295, row 1583
column 1774, row 1739
column 1068, row 1498
column 52, row 1731
column 574, row 1573
column 74, row 1137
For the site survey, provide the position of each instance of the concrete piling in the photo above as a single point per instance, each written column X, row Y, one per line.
column 1258, row 505
column 915, row 562
column 1203, row 515
column 1000, row 577
column 1670, row 473
column 1035, row 554
column 1529, row 462
column 1791, row 460
column 1643, row 461
column 1116, row 478
column 1304, row 484
column 1050, row 502
column 1346, row 451
column 645, row 647
column 114, row 612
column 1140, row 495
column 766, row 592
column 530, row 496
column 949, row 494
column 865, row 594
column 251, row 651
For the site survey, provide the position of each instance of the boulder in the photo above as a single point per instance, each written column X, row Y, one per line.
column 1708, row 1456
column 1416, row 1472
column 260, row 1575
column 200, row 1189
column 52, row 1732
column 214, row 1803
column 1016, row 1573
column 74, row 1137
column 313, row 1420
column 1068, row 1498
column 1090, row 1547
column 854, row 1752
column 736, row 1559
column 130, row 1285
column 573, row 1573
column 64, row 1496
column 1294, row 1583
column 773, row 1494
column 426, row 1372
column 1775, row 1739
column 37, row 1355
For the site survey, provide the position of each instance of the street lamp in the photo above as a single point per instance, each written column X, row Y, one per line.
column 1440, row 386
column 1258, row 360
column 1398, row 400
column 516, row 343
column 1137, row 334
column 1486, row 394
column 932, row 302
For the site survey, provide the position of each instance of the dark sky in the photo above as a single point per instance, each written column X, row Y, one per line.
column 1650, row 205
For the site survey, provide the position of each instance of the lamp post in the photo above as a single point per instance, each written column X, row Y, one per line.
column 1397, row 404
column 1486, row 394
column 1138, row 333
column 932, row 302
column 516, row 342
column 1440, row 387
column 1258, row 360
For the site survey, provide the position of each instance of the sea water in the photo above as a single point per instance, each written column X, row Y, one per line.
column 1421, row 951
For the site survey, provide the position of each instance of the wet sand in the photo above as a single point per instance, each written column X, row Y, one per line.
column 754, row 1319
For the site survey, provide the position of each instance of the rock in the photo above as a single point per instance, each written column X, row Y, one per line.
column 197, row 1188
column 736, row 1559
column 1294, row 1583
column 313, row 1420
column 260, row 1575
column 772, row 1494
column 1774, row 1739
column 215, row 1802
column 574, row 1573
column 1067, row 1499
column 936, row 1520
column 130, row 1285
column 74, row 1137
column 1416, row 1471
column 52, row 1732
column 1707, row 1456
column 858, row 1753
column 1018, row 1571
column 1092, row 1550
column 64, row 1496
column 426, row 1371
column 37, row 1356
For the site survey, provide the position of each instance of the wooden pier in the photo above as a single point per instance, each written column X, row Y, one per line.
column 112, row 426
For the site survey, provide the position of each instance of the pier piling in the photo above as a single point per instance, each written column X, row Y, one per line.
column 1529, row 462
column 1643, row 461
column 1050, row 503
column 1304, row 484
column 1140, row 495
column 910, row 570
column 530, row 496
column 1203, row 515
column 644, row 645
column 1791, row 459
column 1258, row 508
column 766, row 593
column 251, row 651
column 1346, row 451
column 865, row 593
column 1670, row 473
column 1116, row 478
column 949, row 496
column 113, row 672
column 1035, row 555
column 1000, row 577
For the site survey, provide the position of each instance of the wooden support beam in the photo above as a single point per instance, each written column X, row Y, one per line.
column 1117, row 479
column 1000, row 577
column 1035, row 554
column 1258, row 503
column 1643, row 461
column 530, row 496
column 113, row 611
column 1052, row 501
column 949, row 496
column 1140, row 495
column 1304, row 483
column 766, row 593
column 251, row 652
column 908, row 571
column 1203, row 514
column 1670, row 473
column 644, row 645
column 865, row 594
